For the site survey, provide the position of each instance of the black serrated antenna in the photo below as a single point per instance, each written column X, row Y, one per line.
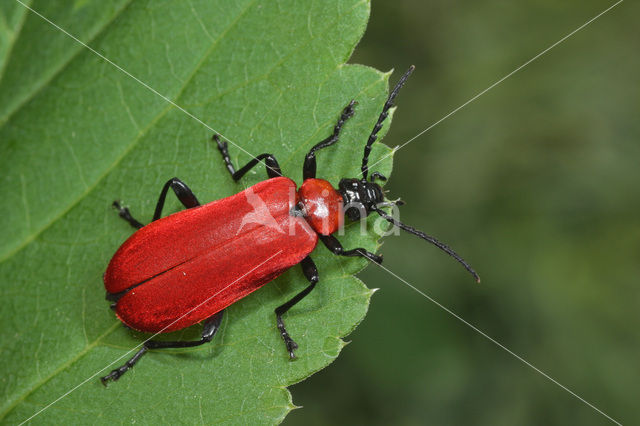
column 429, row 238
column 383, row 115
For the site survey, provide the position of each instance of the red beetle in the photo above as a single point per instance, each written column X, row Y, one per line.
column 188, row 267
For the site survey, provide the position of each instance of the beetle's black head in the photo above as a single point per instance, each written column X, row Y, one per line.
column 360, row 197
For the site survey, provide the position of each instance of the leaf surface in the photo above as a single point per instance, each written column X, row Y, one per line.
column 77, row 132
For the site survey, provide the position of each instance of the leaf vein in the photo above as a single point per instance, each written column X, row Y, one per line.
column 43, row 83
column 58, row 370
column 16, row 33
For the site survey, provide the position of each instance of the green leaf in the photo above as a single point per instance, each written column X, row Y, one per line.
column 77, row 133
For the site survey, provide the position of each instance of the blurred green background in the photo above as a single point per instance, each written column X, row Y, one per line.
column 536, row 185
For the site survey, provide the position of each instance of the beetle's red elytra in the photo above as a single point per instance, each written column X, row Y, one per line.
column 212, row 239
column 187, row 267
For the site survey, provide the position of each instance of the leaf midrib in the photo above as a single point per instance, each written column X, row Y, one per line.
column 12, row 404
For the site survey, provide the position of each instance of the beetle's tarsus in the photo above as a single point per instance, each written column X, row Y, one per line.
column 113, row 376
column 292, row 355
column 288, row 341
column 118, row 372
column 222, row 145
column 124, row 213
column 291, row 346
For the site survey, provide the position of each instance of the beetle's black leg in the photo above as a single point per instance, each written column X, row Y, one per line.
column 309, row 167
column 124, row 213
column 273, row 168
column 224, row 150
column 211, row 326
column 311, row 272
column 182, row 191
column 377, row 175
column 115, row 374
column 335, row 247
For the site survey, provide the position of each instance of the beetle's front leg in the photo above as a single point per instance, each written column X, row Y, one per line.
column 311, row 272
column 309, row 167
column 335, row 247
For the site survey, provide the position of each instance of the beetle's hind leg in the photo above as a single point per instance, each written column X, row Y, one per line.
column 311, row 272
column 211, row 326
column 273, row 168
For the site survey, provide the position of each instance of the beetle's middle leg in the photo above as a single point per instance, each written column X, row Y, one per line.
column 211, row 326
column 182, row 191
column 273, row 168
column 311, row 272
